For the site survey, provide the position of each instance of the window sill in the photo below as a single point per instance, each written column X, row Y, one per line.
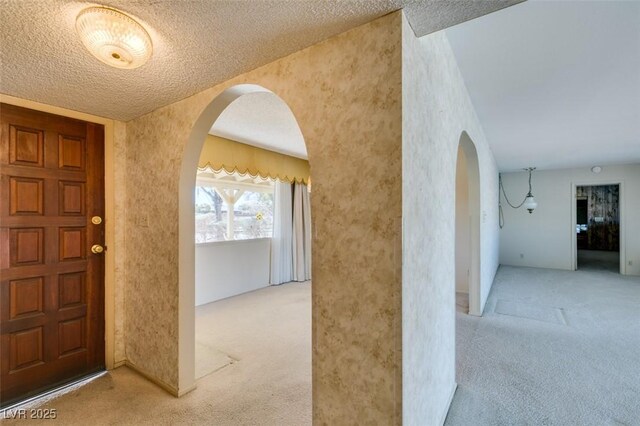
column 231, row 242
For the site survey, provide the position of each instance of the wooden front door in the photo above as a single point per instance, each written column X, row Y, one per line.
column 51, row 284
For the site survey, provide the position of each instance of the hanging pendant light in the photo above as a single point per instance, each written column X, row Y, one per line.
column 529, row 201
column 113, row 37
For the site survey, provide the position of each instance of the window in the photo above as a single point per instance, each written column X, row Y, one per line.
column 246, row 201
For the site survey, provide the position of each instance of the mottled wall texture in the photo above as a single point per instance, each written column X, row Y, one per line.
column 119, row 244
column 436, row 110
column 346, row 94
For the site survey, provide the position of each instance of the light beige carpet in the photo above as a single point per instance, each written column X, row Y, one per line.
column 268, row 335
column 209, row 359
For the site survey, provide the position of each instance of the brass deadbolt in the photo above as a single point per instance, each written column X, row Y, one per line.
column 96, row 220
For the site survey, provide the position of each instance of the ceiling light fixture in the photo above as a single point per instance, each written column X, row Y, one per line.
column 596, row 169
column 113, row 37
column 529, row 202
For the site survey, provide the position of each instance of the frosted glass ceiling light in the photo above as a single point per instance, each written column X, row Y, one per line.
column 113, row 37
column 530, row 203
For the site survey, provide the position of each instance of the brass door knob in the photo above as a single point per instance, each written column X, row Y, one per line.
column 97, row 249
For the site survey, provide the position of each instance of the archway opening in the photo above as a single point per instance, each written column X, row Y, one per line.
column 467, row 228
column 235, row 329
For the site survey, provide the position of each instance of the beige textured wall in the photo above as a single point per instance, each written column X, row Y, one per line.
column 463, row 225
column 119, row 171
column 346, row 94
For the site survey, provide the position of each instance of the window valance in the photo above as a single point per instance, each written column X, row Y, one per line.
column 231, row 156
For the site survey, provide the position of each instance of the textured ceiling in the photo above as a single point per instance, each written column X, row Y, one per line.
column 197, row 44
column 263, row 120
column 555, row 84
column 438, row 15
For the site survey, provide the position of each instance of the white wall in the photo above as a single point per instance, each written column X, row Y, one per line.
column 546, row 238
column 463, row 225
column 229, row 268
column 436, row 109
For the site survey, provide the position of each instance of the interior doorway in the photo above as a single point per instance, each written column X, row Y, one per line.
column 253, row 230
column 598, row 227
column 247, row 330
column 467, row 228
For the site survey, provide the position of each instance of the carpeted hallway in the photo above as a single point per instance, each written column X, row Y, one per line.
column 260, row 371
column 553, row 348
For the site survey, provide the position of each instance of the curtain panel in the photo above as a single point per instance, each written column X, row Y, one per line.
column 291, row 241
column 281, row 242
column 301, row 241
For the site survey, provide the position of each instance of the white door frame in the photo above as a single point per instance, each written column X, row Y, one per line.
column 621, row 201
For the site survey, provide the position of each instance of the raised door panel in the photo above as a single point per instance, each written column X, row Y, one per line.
column 71, row 198
column 71, row 290
column 71, row 337
column 72, row 243
column 26, row 349
column 71, row 152
column 26, row 146
column 27, row 297
column 26, row 246
column 26, row 196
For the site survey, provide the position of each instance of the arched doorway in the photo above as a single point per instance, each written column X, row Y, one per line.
column 467, row 247
column 187, row 255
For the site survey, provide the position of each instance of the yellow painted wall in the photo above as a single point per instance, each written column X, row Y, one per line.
column 221, row 153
